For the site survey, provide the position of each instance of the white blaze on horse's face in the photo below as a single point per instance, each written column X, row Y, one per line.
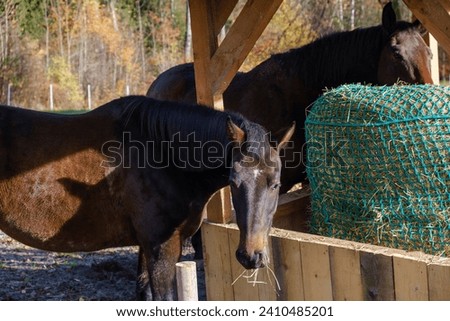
column 256, row 173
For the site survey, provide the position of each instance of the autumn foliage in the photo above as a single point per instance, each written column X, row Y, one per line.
column 116, row 47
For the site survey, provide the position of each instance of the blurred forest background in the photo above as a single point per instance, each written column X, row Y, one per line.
column 118, row 47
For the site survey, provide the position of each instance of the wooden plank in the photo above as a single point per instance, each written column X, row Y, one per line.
column 219, row 207
column 240, row 39
column 245, row 288
column 346, row 274
column 287, row 265
column 439, row 281
column 435, row 17
column 293, row 211
column 410, row 278
column 205, row 44
column 267, row 290
column 377, row 276
column 445, row 4
column 222, row 10
column 242, row 288
column 432, row 43
column 217, row 257
column 316, row 272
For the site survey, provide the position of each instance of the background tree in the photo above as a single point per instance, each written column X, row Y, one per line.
column 119, row 47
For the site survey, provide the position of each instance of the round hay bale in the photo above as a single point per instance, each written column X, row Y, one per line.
column 379, row 166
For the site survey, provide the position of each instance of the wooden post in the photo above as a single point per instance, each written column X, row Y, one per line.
column 205, row 44
column 434, row 15
column 187, row 281
column 215, row 66
column 432, row 43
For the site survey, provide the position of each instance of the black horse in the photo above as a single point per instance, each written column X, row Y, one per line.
column 280, row 89
column 135, row 171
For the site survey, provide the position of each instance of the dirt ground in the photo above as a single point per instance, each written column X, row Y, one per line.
column 109, row 275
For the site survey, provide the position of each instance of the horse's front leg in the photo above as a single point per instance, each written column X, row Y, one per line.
column 157, row 270
column 143, row 288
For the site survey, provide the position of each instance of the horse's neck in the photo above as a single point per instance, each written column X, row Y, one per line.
column 346, row 57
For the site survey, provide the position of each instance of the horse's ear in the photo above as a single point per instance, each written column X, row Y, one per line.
column 389, row 19
column 235, row 134
column 419, row 27
column 286, row 138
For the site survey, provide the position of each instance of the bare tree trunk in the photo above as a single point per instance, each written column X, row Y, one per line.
column 2, row 42
column 141, row 40
column 352, row 14
column 68, row 36
column 81, row 45
column 55, row 5
column 47, row 37
column 188, row 36
column 6, row 38
column 112, row 5
column 172, row 8
column 341, row 14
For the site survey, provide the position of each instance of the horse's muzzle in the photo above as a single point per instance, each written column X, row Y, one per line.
column 250, row 261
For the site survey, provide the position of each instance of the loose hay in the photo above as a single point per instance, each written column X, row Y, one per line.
column 379, row 166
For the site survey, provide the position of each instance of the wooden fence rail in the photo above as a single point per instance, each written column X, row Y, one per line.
column 310, row 267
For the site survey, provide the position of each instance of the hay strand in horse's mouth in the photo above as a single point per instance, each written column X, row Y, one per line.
column 251, row 277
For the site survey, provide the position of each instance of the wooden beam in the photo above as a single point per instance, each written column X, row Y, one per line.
column 205, row 44
column 435, row 17
column 240, row 39
column 432, row 43
column 222, row 12
column 445, row 4
column 216, row 65
column 219, row 206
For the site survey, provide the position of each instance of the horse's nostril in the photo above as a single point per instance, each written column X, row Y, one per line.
column 250, row 261
column 259, row 262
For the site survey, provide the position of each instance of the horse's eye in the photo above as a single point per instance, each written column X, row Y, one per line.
column 398, row 55
column 275, row 186
column 235, row 182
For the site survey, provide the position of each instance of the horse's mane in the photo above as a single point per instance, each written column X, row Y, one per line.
column 326, row 61
column 158, row 121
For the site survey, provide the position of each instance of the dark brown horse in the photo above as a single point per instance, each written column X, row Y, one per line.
column 135, row 171
column 280, row 89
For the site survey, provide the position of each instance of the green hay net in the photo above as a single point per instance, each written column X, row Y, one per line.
column 379, row 166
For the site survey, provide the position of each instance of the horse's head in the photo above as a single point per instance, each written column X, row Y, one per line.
column 405, row 56
column 255, row 181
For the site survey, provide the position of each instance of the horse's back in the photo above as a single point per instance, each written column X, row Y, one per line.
column 175, row 84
